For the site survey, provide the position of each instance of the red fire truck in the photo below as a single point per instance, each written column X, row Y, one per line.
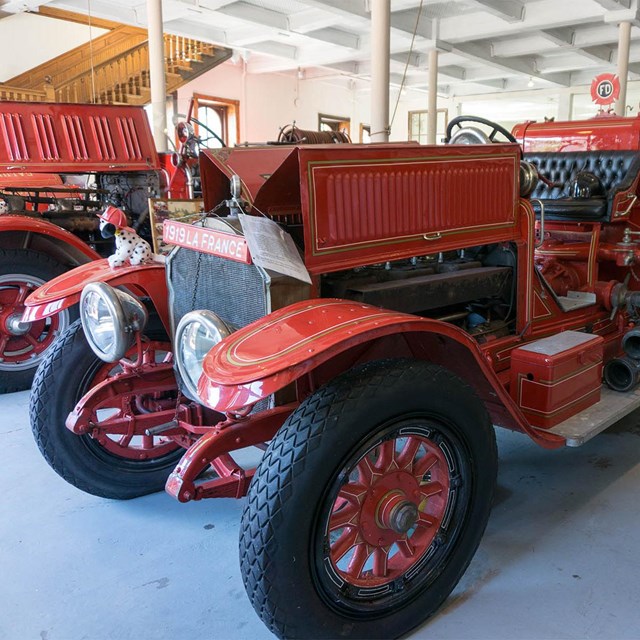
column 60, row 164
column 441, row 291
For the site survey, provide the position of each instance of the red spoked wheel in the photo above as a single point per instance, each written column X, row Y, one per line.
column 23, row 345
column 369, row 503
column 388, row 510
column 109, row 453
column 134, row 444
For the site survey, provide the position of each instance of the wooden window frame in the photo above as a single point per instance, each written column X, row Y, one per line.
column 339, row 119
column 201, row 99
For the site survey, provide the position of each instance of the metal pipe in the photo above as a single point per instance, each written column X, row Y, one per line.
column 622, row 374
column 624, row 41
column 157, row 76
column 432, row 104
column 380, row 43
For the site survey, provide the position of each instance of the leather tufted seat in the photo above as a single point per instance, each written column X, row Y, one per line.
column 616, row 170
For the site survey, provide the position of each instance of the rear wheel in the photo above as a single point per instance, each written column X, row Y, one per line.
column 112, row 466
column 369, row 503
column 23, row 345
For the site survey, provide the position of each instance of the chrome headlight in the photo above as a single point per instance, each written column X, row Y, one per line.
column 197, row 333
column 110, row 319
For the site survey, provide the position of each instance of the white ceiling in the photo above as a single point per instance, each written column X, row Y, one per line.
column 486, row 46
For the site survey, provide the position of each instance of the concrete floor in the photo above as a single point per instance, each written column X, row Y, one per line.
column 560, row 558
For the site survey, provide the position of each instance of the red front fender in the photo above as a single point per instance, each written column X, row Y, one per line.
column 45, row 228
column 280, row 348
column 64, row 291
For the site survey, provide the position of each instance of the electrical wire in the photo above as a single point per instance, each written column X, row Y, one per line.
column 406, row 66
column 93, row 79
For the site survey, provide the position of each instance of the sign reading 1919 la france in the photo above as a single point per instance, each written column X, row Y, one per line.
column 605, row 89
column 217, row 243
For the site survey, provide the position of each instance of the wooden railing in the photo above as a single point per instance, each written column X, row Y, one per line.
column 71, row 64
column 9, row 92
column 111, row 81
column 117, row 72
column 127, row 76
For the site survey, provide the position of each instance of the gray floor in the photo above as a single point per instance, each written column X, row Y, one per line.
column 560, row 559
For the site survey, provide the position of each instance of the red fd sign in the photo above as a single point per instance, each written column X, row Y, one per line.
column 217, row 243
column 605, row 89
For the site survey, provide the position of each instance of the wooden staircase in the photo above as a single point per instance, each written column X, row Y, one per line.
column 113, row 69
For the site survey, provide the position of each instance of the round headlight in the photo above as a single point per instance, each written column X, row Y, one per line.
column 110, row 319
column 197, row 333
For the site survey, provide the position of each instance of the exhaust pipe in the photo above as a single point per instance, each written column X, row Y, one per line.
column 623, row 374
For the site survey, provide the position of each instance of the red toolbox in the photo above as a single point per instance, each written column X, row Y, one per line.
column 554, row 378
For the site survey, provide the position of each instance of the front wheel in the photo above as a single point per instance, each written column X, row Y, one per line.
column 111, row 465
column 369, row 503
column 23, row 345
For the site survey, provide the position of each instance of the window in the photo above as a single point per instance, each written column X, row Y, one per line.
column 418, row 125
column 334, row 123
column 365, row 133
column 220, row 116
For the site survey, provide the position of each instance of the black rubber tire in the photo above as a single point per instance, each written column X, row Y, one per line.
column 45, row 268
column 278, row 530
column 61, row 380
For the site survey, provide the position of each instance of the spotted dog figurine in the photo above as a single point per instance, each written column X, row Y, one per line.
column 129, row 245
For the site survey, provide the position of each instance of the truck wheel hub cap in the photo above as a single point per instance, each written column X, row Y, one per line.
column 15, row 326
column 397, row 513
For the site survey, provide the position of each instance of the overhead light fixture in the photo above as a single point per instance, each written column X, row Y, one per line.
column 531, row 83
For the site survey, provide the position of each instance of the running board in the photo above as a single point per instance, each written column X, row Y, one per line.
column 613, row 406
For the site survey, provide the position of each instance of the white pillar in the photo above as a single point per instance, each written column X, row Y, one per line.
column 432, row 104
column 380, row 21
column 624, row 39
column 157, row 76
column 565, row 106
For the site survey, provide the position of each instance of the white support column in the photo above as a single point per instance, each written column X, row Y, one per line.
column 624, row 40
column 380, row 42
column 157, row 74
column 565, row 106
column 432, row 104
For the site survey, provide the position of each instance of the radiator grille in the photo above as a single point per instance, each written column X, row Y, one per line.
column 237, row 292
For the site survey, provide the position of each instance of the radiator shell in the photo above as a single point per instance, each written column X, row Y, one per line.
column 554, row 378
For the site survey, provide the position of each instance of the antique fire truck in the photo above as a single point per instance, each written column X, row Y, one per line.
column 60, row 164
column 440, row 291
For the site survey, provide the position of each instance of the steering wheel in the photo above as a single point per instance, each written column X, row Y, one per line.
column 213, row 135
column 472, row 135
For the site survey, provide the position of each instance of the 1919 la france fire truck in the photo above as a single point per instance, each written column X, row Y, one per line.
column 60, row 164
column 449, row 289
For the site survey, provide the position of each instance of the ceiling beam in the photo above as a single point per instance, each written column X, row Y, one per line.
column 253, row 13
column 562, row 37
column 543, row 14
column 614, row 4
column 276, row 49
column 336, row 36
column 509, row 10
column 599, row 53
column 481, row 51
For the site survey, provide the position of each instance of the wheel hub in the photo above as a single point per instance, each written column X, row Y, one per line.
column 397, row 513
column 15, row 326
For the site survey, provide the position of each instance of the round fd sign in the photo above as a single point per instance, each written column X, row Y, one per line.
column 605, row 89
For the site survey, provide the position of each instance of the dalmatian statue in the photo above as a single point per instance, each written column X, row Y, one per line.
column 4, row 206
column 129, row 245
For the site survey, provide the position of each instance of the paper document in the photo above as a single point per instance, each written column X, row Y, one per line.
column 273, row 248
